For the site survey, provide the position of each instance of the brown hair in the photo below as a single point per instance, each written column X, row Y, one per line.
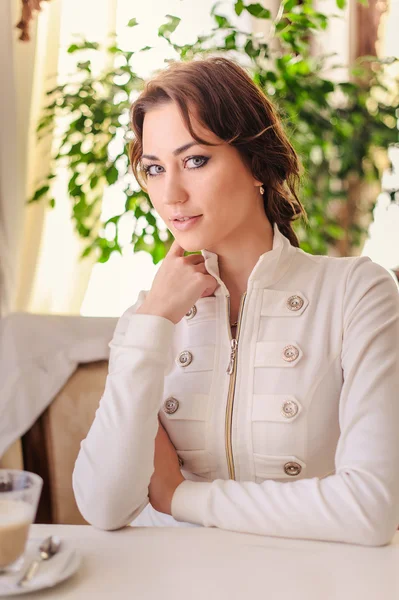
column 229, row 104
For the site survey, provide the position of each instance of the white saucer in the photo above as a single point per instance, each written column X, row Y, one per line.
column 61, row 566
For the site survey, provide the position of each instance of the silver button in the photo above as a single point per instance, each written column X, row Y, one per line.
column 295, row 302
column 292, row 468
column 184, row 359
column 290, row 409
column 191, row 313
column 290, row 353
column 171, row 405
column 181, row 461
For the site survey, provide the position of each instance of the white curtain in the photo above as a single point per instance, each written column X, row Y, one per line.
column 17, row 68
column 33, row 155
column 61, row 278
column 40, row 270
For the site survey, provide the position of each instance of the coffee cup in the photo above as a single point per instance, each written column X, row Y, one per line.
column 19, row 497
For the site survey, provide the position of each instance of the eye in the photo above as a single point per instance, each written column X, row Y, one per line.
column 152, row 173
column 198, row 161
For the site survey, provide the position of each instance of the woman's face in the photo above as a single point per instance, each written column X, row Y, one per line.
column 210, row 181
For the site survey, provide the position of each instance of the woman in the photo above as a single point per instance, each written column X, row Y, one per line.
column 254, row 387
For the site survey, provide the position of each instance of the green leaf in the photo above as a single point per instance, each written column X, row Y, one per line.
column 87, row 251
column 93, row 181
column 250, row 49
column 335, row 231
column 111, row 175
column 258, row 11
column 87, row 45
column 83, row 231
column 168, row 28
column 84, row 66
column 151, row 220
column 39, row 193
column 289, row 5
column 341, row 4
column 230, row 41
column 222, row 22
column 158, row 253
column 239, row 7
column 130, row 203
column 73, row 48
column 132, row 23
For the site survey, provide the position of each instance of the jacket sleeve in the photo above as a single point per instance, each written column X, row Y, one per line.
column 116, row 460
column 359, row 503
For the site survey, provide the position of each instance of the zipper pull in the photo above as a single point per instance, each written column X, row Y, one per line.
column 233, row 353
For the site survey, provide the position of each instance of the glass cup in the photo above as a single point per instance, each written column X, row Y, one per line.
column 19, row 497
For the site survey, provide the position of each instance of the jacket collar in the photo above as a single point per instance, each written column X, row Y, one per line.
column 271, row 265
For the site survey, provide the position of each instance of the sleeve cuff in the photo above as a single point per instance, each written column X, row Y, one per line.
column 189, row 502
column 148, row 332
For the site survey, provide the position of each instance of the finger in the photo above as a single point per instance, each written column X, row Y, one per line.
column 201, row 268
column 211, row 286
column 176, row 249
column 194, row 259
column 207, row 293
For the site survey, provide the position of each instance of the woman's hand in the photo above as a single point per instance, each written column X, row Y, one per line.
column 167, row 475
column 177, row 285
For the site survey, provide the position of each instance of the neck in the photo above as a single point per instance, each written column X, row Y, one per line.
column 237, row 259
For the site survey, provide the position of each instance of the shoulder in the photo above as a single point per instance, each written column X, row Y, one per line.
column 371, row 287
column 345, row 281
column 363, row 273
column 353, row 270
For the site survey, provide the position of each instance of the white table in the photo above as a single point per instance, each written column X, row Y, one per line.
column 211, row 564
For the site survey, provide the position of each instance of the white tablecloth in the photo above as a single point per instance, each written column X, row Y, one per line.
column 211, row 564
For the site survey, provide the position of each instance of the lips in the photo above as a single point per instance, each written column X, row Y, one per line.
column 186, row 224
column 185, row 218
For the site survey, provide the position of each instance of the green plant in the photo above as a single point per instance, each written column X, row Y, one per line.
column 342, row 130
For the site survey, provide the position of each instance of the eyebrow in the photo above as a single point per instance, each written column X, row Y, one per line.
column 176, row 152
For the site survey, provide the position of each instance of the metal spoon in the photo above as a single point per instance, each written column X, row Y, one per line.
column 47, row 549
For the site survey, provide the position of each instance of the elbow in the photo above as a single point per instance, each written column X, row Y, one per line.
column 102, row 510
column 94, row 511
column 106, row 524
column 375, row 540
column 381, row 535
column 101, row 516
column 379, row 531
column 103, row 522
column 373, row 517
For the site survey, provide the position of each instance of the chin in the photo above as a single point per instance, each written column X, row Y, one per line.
column 189, row 245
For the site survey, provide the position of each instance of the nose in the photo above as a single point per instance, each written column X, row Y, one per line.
column 174, row 192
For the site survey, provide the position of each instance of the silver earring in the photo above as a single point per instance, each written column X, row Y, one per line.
column 262, row 190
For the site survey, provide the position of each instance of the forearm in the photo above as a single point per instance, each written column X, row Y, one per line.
column 351, row 507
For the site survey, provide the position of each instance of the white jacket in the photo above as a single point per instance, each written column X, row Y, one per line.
column 296, row 436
